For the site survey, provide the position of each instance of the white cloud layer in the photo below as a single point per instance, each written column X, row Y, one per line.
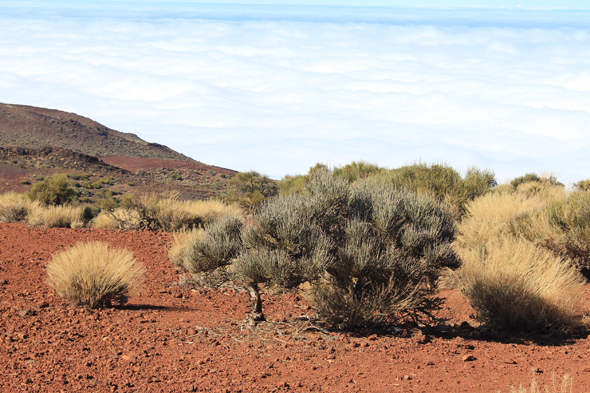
column 279, row 89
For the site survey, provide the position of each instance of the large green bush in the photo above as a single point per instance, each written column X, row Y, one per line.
column 54, row 190
column 371, row 252
column 249, row 189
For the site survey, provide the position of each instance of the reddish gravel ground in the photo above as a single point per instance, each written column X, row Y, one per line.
column 174, row 339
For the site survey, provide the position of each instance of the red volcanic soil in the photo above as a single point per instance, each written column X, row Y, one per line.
column 175, row 339
column 133, row 164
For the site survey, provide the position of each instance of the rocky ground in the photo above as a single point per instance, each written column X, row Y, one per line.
column 171, row 338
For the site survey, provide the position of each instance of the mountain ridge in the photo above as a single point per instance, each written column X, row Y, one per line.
column 34, row 127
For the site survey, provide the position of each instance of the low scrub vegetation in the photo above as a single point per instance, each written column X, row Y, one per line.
column 15, row 207
column 250, row 189
column 439, row 181
column 522, row 250
column 54, row 190
column 65, row 216
column 169, row 213
column 94, row 275
column 371, row 253
column 514, row 285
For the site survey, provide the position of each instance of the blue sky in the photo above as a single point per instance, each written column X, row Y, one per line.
column 386, row 3
column 280, row 88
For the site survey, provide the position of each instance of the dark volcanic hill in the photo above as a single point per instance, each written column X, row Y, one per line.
column 31, row 127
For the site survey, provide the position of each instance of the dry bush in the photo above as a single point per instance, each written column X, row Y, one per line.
column 562, row 226
column 181, row 243
column 15, row 207
column 513, row 284
column 168, row 213
column 490, row 215
column 566, row 386
column 117, row 219
column 63, row 216
column 93, row 274
column 174, row 215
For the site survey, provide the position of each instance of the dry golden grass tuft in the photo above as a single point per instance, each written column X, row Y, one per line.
column 174, row 214
column 94, row 275
column 513, row 284
column 15, row 207
column 490, row 215
column 566, row 386
column 117, row 219
column 181, row 243
column 62, row 216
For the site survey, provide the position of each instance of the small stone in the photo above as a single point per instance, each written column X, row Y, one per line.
column 537, row 370
column 3, row 281
column 407, row 377
column 27, row 312
column 469, row 358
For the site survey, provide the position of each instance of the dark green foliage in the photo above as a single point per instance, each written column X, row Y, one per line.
column 439, row 180
column 54, row 190
column 249, row 189
column 529, row 177
column 90, row 212
column 443, row 182
column 357, row 170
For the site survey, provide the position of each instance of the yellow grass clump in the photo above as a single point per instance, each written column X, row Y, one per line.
column 181, row 243
column 93, row 274
column 174, row 214
column 489, row 216
column 61, row 216
column 566, row 386
column 117, row 219
column 513, row 284
column 15, row 207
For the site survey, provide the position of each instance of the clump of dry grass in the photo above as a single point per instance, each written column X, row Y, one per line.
column 117, row 219
column 182, row 242
column 489, row 216
column 93, row 274
column 174, row 214
column 513, row 284
column 566, row 386
column 62, row 216
column 15, row 207
column 168, row 213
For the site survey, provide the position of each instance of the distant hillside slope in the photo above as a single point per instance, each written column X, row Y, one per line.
column 31, row 127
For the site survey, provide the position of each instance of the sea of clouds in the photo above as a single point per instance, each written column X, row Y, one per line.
column 280, row 88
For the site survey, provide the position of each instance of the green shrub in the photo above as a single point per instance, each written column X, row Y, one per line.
column 250, row 189
column 371, row 252
column 357, row 170
column 443, row 182
column 439, row 181
column 54, row 190
column 529, row 177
